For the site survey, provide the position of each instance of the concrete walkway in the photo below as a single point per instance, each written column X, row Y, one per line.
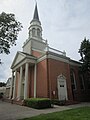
column 10, row 111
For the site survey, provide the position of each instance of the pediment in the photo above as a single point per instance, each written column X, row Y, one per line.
column 18, row 58
column 61, row 77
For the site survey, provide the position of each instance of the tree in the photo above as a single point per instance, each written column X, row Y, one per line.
column 2, row 84
column 85, row 55
column 9, row 29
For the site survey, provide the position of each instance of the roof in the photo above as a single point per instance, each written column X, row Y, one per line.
column 36, row 16
column 28, row 55
column 21, row 56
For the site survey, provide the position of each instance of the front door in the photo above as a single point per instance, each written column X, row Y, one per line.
column 62, row 88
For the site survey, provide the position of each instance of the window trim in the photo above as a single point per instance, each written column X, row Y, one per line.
column 74, row 80
column 82, row 80
column 33, row 32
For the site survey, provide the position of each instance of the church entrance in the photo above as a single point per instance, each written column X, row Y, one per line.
column 62, row 88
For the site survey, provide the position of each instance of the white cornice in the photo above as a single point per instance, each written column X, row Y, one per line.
column 58, row 57
column 26, row 59
column 37, row 50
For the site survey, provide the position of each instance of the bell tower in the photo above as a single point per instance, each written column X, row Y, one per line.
column 35, row 29
column 35, row 42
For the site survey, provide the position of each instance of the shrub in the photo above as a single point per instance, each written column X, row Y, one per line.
column 38, row 103
column 58, row 102
column 1, row 95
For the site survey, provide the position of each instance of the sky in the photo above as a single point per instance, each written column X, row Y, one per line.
column 65, row 23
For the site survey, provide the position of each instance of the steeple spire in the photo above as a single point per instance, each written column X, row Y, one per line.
column 35, row 41
column 36, row 16
column 35, row 29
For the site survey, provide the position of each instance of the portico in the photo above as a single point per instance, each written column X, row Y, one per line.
column 24, row 66
column 20, row 84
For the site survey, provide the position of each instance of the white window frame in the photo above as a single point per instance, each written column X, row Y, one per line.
column 74, row 80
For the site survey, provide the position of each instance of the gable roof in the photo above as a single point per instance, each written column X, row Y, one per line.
column 21, row 56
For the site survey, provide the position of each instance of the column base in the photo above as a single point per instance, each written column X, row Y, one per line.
column 20, row 98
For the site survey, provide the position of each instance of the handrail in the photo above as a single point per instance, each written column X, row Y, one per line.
column 42, row 40
column 56, row 51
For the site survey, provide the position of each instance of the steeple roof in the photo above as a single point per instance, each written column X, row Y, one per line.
column 36, row 16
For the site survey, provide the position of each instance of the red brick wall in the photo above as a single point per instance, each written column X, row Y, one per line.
column 55, row 69
column 17, row 79
column 36, row 54
column 77, row 91
column 31, row 82
column 42, row 87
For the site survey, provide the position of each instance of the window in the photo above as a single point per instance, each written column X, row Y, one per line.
column 33, row 32
column 30, row 33
column 61, row 85
column 81, row 82
column 73, row 80
column 38, row 32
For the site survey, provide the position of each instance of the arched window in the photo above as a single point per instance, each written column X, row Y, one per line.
column 33, row 32
column 38, row 32
column 73, row 80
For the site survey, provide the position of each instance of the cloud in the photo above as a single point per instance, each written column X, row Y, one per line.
column 65, row 23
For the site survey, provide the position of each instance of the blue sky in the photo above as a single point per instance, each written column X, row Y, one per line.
column 65, row 23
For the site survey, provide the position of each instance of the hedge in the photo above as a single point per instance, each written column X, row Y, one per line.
column 38, row 103
column 58, row 102
column 1, row 95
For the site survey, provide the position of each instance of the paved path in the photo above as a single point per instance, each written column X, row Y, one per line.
column 10, row 111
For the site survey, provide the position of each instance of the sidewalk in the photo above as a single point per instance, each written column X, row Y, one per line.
column 10, row 111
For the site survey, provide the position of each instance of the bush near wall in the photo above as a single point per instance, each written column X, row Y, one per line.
column 38, row 103
column 58, row 102
column 1, row 95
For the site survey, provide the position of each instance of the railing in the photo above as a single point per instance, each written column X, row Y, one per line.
column 56, row 51
column 42, row 40
column 50, row 48
column 45, row 41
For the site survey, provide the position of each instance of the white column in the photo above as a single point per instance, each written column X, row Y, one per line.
column 35, row 70
column 26, row 82
column 20, row 84
column 11, row 86
column 14, row 89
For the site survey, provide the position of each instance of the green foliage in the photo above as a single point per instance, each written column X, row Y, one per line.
column 82, row 113
column 58, row 102
column 38, row 103
column 1, row 95
column 85, row 55
column 2, row 84
column 9, row 29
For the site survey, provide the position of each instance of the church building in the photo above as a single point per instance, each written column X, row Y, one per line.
column 40, row 71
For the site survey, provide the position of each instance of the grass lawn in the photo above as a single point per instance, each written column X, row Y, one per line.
column 82, row 113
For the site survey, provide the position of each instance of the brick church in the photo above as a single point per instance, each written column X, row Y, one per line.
column 44, row 72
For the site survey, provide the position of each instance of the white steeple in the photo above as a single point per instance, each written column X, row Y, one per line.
column 35, row 41
column 35, row 29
